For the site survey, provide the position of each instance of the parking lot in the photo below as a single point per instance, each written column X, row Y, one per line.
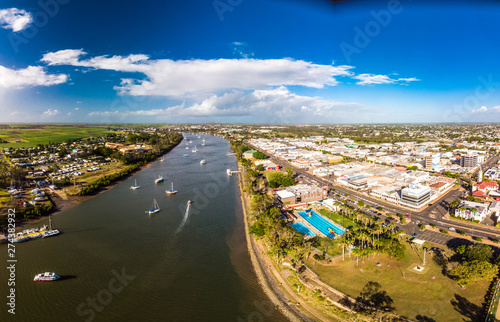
column 442, row 239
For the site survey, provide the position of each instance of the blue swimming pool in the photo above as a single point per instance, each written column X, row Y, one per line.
column 321, row 223
column 301, row 228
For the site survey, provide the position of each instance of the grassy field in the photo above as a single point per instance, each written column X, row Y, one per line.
column 335, row 217
column 90, row 177
column 4, row 198
column 428, row 294
column 30, row 137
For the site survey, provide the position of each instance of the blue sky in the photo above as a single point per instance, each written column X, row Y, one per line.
column 259, row 61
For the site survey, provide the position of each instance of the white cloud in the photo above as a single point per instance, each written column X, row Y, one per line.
column 239, row 48
column 50, row 112
column 15, row 19
column 201, row 78
column 370, row 79
column 484, row 109
column 30, row 76
column 276, row 105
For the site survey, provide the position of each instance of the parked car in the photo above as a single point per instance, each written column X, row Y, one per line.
column 451, row 228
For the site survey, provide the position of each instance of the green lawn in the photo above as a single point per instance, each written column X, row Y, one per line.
column 429, row 294
column 4, row 198
column 30, row 137
column 337, row 218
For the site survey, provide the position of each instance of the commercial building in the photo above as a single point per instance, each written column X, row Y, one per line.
column 300, row 194
column 468, row 161
column 415, row 196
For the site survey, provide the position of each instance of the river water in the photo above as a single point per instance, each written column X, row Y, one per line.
column 121, row 264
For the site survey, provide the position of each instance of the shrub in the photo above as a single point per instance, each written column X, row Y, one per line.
column 461, row 232
column 403, row 221
column 496, row 240
column 477, row 239
column 444, row 231
column 422, row 227
column 433, row 225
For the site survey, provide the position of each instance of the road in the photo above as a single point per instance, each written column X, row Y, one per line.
column 429, row 215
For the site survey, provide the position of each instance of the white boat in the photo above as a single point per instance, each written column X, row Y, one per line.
column 162, row 159
column 187, row 148
column 194, row 150
column 46, row 277
column 171, row 191
column 155, row 208
column 190, row 141
column 51, row 232
column 203, row 143
column 135, row 186
column 203, row 161
column 159, row 179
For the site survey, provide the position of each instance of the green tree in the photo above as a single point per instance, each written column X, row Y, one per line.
column 468, row 272
column 259, row 155
column 361, row 203
column 480, row 252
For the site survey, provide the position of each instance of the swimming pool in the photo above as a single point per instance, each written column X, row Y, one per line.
column 301, row 228
column 321, row 223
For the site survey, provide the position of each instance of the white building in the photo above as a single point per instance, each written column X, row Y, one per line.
column 472, row 210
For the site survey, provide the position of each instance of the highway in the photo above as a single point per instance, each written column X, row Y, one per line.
column 432, row 214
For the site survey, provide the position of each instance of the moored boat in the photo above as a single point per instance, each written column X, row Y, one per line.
column 135, row 186
column 203, row 161
column 155, row 208
column 46, row 277
column 159, row 179
column 171, row 191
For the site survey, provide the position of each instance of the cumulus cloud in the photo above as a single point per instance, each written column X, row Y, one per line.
column 30, row 76
column 199, row 78
column 271, row 105
column 484, row 110
column 50, row 112
column 15, row 19
column 370, row 79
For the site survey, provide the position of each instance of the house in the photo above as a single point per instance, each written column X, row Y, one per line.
column 472, row 210
column 272, row 166
column 483, row 189
column 495, row 208
column 249, row 154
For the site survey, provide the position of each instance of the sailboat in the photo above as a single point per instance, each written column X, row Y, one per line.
column 203, row 142
column 171, row 191
column 162, row 158
column 135, row 186
column 194, row 150
column 50, row 232
column 155, row 208
column 203, row 161
column 160, row 179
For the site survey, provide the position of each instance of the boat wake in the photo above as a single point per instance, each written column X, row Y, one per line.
column 184, row 220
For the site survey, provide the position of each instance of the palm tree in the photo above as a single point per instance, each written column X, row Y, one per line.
column 343, row 243
column 358, row 252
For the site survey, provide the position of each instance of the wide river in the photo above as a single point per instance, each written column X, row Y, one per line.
column 121, row 264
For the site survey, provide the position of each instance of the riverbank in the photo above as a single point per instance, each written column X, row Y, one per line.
column 264, row 276
column 63, row 201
